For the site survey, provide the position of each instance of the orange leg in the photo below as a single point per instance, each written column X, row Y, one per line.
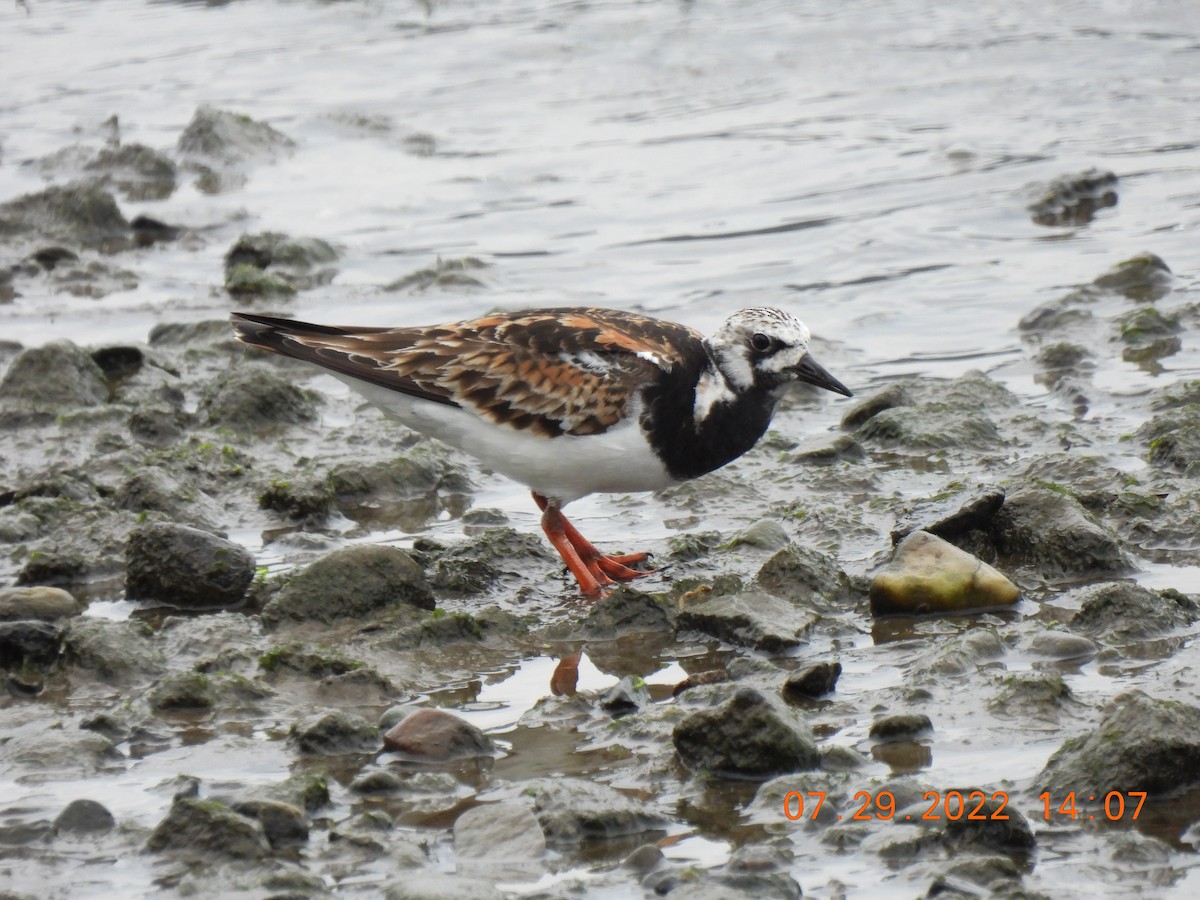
column 590, row 567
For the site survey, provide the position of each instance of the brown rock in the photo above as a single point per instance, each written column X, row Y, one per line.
column 435, row 735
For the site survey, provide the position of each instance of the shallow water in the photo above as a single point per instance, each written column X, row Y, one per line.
column 866, row 166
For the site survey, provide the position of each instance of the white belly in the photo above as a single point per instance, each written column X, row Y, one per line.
column 566, row 467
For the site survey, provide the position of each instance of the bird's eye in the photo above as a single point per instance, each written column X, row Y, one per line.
column 761, row 342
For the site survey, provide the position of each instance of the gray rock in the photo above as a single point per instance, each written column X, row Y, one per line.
column 802, row 575
column 1061, row 645
column 1123, row 611
column 434, row 735
column 283, row 824
column 29, row 643
column 1073, row 200
column 270, row 263
column 209, row 827
column 625, row 611
column 43, row 603
column 1049, row 532
column 748, row 737
column 1032, row 694
column 58, row 374
column 953, row 516
column 503, row 835
column 137, row 171
column 572, row 810
column 113, row 651
column 425, row 886
column 352, row 582
column 334, row 731
column 750, row 618
column 1143, row 278
column 182, row 691
column 812, row 681
column 84, row 817
column 1173, row 440
column 79, row 213
column 222, row 145
column 154, row 489
column 1140, row 744
column 900, row 727
column 930, row 575
column 185, row 566
column 490, row 559
column 255, row 397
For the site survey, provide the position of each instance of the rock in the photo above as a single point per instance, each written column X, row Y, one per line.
column 113, row 651
column 53, row 754
column 352, row 582
column 443, row 273
column 30, row 643
column 1140, row 744
column 1049, row 532
column 573, row 810
column 334, row 731
column 186, row 567
column 271, row 264
column 752, row 619
column 84, row 817
column 488, row 560
column 425, row 886
column 1143, row 278
column 135, row 170
column 800, row 574
column 1173, row 439
column 307, row 499
column 953, row 516
column 254, row 397
column 927, row 574
column 79, row 213
column 745, row 738
column 1034, row 694
column 500, row 836
column 182, row 691
column 1011, row 836
column 626, row 696
column 434, row 735
column 1061, row 646
column 765, row 534
column 625, row 611
column 283, row 824
column 153, row 489
column 208, row 827
column 920, row 428
column 1073, row 200
column 43, row 603
column 812, row 681
column 221, row 145
column 58, row 374
column 900, row 727
column 1123, row 611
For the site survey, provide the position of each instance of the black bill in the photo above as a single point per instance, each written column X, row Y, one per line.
column 811, row 371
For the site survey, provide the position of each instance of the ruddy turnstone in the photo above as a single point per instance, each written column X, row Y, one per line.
column 571, row 401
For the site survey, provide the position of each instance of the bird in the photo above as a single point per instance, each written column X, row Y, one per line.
column 571, row 401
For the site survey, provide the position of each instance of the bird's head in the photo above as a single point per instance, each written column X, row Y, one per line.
column 767, row 349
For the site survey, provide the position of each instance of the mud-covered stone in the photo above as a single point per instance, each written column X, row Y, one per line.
column 800, row 574
column 929, row 575
column 950, row 517
column 453, row 273
column 184, row 566
column 900, row 727
column 503, row 835
column 255, row 396
column 112, row 651
column 1140, row 744
column 29, row 643
column 42, row 603
column 283, row 824
column 208, row 827
column 222, row 145
column 434, row 735
column 812, row 681
column 1049, row 532
column 1144, row 278
column 1173, row 439
column 182, row 691
column 83, row 816
column 1031, row 695
column 334, row 731
column 139, row 172
column 1073, row 200
column 351, row 582
column 154, row 489
column 52, row 376
column 421, row 885
column 747, row 737
column 1123, row 611
column 81, row 213
column 750, row 618
column 270, row 264
column 572, row 810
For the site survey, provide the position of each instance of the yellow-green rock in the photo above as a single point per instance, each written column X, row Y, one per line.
column 929, row 575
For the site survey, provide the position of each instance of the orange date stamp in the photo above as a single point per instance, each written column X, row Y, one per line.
column 972, row 806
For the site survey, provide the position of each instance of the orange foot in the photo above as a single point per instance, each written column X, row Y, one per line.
column 591, row 568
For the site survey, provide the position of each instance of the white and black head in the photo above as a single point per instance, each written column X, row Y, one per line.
column 765, row 349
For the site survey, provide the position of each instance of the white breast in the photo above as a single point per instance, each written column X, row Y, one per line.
column 566, row 467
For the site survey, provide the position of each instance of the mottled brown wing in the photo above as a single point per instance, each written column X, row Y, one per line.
column 550, row 371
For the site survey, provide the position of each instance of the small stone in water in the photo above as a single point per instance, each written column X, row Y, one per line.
column 433, row 734
column 928, row 574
